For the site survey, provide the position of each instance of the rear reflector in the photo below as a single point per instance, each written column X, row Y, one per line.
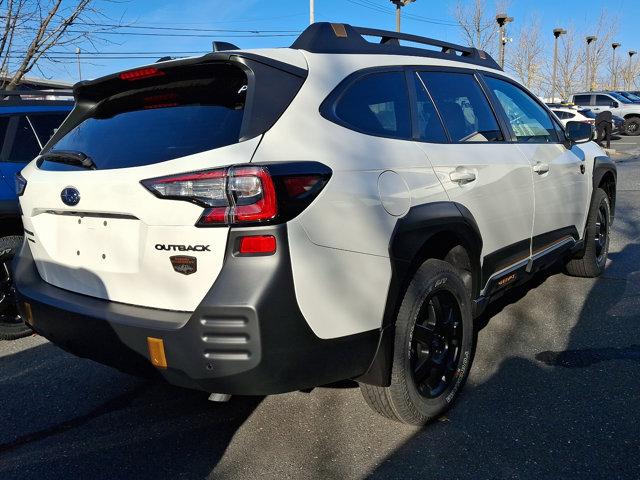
column 141, row 73
column 156, row 352
column 257, row 244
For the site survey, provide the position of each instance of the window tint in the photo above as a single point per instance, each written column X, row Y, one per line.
column 560, row 114
column 25, row 146
column 201, row 111
column 4, row 124
column 377, row 104
column 603, row 101
column 464, row 108
column 46, row 125
column 582, row 99
column 529, row 121
column 430, row 127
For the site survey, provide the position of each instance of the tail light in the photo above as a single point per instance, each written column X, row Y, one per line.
column 245, row 194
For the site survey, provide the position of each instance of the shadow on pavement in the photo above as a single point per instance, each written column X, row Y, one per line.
column 531, row 419
column 123, row 427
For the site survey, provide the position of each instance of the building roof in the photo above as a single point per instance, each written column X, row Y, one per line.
column 29, row 83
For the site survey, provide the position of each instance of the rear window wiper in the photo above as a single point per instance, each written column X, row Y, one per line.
column 70, row 158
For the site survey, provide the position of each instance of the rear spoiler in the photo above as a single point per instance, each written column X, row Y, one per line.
column 266, row 99
column 95, row 90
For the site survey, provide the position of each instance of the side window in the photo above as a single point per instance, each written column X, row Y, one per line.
column 529, row 121
column 430, row 127
column 46, row 125
column 603, row 101
column 561, row 115
column 463, row 107
column 377, row 104
column 4, row 124
column 25, row 145
column 582, row 100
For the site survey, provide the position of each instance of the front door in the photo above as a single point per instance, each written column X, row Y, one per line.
column 480, row 170
column 559, row 181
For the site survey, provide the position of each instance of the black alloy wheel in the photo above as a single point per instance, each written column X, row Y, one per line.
column 436, row 344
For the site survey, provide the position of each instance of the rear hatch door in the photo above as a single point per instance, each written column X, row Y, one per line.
column 93, row 228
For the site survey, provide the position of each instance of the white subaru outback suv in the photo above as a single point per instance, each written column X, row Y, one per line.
column 255, row 222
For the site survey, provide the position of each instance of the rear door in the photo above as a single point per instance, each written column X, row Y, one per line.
column 560, row 184
column 479, row 169
column 95, row 229
column 583, row 100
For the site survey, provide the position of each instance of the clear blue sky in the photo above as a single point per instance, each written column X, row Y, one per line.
column 293, row 15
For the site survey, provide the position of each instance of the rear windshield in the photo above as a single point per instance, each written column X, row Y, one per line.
column 161, row 119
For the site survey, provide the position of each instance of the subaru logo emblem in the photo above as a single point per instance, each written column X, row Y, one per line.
column 70, row 196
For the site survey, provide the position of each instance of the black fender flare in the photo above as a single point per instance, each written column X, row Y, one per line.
column 601, row 166
column 411, row 234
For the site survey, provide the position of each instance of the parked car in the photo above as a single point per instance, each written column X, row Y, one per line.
column 567, row 114
column 263, row 221
column 27, row 120
column 617, row 122
column 633, row 98
column 616, row 103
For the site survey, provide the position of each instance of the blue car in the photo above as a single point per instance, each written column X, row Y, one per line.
column 28, row 119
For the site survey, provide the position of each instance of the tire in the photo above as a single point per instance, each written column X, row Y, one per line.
column 436, row 287
column 632, row 126
column 11, row 324
column 594, row 258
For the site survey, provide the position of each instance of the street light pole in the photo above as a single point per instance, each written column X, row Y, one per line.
column 502, row 19
column 79, row 70
column 311, row 12
column 589, row 39
column 556, row 33
column 614, row 74
column 629, row 79
column 399, row 4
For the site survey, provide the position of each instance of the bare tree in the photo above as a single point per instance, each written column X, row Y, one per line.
column 571, row 59
column 600, row 55
column 629, row 72
column 478, row 26
column 527, row 59
column 31, row 28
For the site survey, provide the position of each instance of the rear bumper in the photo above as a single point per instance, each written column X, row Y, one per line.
column 247, row 337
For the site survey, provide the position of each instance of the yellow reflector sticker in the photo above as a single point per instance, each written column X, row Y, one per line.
column 339, row 30
column 156, row 352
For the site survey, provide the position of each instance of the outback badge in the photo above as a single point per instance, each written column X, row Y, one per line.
column 184, row 264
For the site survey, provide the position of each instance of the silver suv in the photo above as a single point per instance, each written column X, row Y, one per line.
column 616, row 103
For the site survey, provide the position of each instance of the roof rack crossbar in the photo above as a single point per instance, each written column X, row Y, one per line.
column 324, row 37
column 445, row 46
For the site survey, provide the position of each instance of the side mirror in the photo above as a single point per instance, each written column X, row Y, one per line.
column 614, row 105
column 579, row 132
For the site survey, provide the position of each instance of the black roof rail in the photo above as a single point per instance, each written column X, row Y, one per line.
column 324, row 37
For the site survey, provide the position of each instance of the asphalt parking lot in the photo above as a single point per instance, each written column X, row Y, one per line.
column 553, row 393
